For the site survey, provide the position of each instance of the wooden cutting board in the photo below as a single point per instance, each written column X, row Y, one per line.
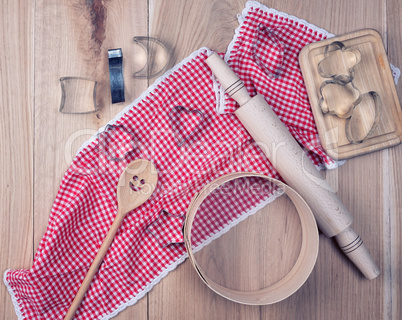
column 371, row 74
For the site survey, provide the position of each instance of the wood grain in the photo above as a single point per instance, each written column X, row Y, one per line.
column 190, row 25
column 16, row 135
column 275, row 230
column 393, row 187
column 72, row 39
column 44, row 40
column 68, row 28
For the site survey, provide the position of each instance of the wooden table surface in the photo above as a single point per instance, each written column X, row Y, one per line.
column 44, row 40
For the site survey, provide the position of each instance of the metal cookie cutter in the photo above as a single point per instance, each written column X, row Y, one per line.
column 268, row 52
column 345, row 106
column 339, row 62
column 185, row 123
column 349, row 126
column 77, row 95
column 116, row 75
column 156, row 60
column 340, row 97
column 116, row 142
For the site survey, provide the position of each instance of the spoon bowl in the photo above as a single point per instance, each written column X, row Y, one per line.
column 136, row 185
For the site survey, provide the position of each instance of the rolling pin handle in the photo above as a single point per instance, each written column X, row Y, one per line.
column 229, row 80
column 352, row 245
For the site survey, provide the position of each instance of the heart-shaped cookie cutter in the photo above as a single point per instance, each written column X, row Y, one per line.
column 174, row 117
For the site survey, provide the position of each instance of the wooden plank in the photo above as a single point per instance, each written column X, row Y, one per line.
column 16, row 135
column 69, row 43
column 72, row 39
column 341, row 292
column 336, row 290
column 183, row 295
column 393, row 188
column 186, row 26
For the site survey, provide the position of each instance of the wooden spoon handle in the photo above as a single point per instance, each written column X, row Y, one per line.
column 94, row 266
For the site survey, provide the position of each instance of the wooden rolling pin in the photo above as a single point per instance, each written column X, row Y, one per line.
column 297, row 170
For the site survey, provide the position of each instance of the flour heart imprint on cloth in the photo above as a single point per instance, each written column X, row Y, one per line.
column 184, row 123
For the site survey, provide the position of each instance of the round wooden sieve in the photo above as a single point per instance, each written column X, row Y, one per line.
column 297, row 275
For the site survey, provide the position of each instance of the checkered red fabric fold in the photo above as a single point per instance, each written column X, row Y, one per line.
column 264, row 54
column 265, row 57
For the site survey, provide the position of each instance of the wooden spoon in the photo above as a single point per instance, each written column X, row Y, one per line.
column 135, row 186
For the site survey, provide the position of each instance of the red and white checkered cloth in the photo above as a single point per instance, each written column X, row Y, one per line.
column 148, row 244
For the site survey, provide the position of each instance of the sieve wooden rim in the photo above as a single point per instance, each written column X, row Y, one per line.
column 300, row 271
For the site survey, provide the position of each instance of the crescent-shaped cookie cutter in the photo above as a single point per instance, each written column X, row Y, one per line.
column 149, row 44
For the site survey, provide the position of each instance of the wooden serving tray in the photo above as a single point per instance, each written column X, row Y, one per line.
column 372, row 73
